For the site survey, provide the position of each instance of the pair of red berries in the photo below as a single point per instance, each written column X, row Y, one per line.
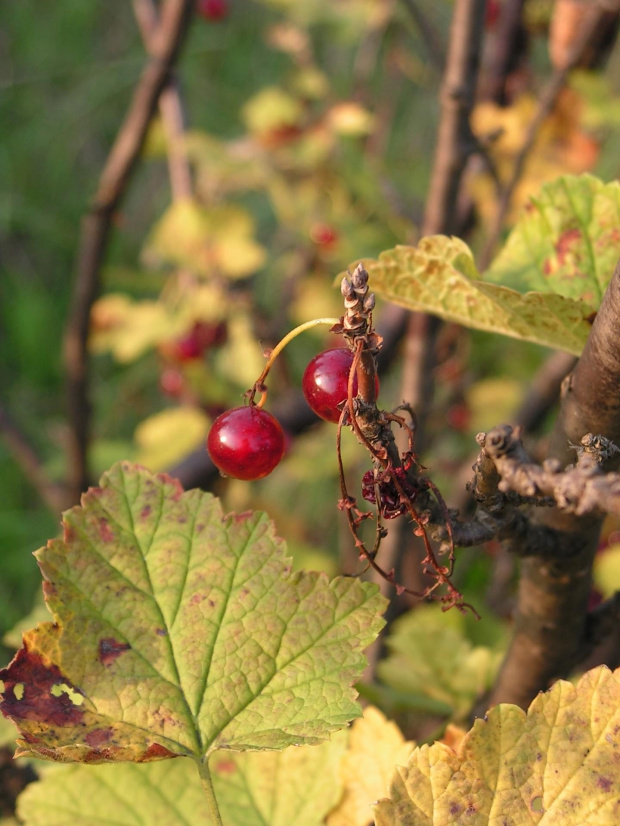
column 248, row 442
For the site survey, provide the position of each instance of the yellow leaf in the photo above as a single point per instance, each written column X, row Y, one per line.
column 128, row 329
column 349, row 118
column 607, row 571
column 168, row 436
column 375, row 747
column 554, row 766
column 271, row 108
column 204, row 240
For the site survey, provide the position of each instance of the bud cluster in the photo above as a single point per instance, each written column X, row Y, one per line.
column 358, row 302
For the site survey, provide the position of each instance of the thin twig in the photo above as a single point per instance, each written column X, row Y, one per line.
column 166, row 43
column 430, row 38
column 24, row 454
column 170, row 109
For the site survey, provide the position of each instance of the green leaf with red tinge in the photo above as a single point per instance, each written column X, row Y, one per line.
column 557, row 765
column 567, row 241
column 439, row 276
column 179, row 631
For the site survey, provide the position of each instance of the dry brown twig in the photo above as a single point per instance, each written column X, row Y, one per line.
column 165, row 44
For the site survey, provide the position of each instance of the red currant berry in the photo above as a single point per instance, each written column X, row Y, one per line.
column 212, row 9
column 172, row 382
column 326, row 380
column 246, row 443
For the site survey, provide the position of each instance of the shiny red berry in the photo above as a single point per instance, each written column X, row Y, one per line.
column 246, row 443
column 326, row 380
column 212, row 9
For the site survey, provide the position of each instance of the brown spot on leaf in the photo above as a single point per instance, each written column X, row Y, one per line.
column 168, row 480
column 226, row 767
column 38, row 702
column 564, row 243
column 156, row 752
column 110, row 649
column 145, row 512
column 105, row 534
column 98, row 737
column 197, row 599
column 68, row 533
column 161, row 632
column 604, row 783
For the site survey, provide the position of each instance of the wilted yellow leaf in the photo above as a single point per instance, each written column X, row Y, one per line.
column 375, row 747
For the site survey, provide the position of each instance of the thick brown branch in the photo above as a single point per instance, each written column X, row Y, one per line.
column 165, row 46
column 550, row 621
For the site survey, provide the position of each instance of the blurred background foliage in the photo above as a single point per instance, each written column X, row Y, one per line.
column 311, row 128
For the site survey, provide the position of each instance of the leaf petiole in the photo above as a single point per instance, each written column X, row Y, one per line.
column 207, row 785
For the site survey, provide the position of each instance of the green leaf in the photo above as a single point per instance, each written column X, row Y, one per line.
column 556, row 765
column 439, row 276
column 296, row 786
column 567, row 240
column 179, row 631
column 431, row 656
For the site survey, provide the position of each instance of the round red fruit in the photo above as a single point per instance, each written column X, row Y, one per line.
column 212, row 9
column 246, row 443
column 326, row 381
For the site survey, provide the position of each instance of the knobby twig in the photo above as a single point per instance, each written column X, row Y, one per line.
column 546, row 102
column 166, row 43
column 455, row 143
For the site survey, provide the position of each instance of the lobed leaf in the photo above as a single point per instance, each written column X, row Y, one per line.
column 295, row 786
column 439, row 276
column 179, row 630
column 375, row 747
column 554, row 766
column 566, row 241
column 430, row 655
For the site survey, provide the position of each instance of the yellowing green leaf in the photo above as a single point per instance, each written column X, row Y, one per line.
column 607, row 571
column 271, row 108
column 123, row 795
column 179, row 630
column 557, row 765
column 375, row 747
column 439, row 276
column 431, row 656
column 166, row 437
column 493, row 400
column 567, row 240
column 296, row 786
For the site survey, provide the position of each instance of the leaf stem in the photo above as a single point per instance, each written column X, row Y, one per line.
column 307, row 325
column 207, row 785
